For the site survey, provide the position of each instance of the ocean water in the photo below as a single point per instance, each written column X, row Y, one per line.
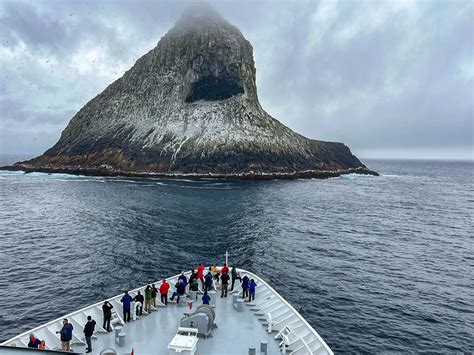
column 375, row 264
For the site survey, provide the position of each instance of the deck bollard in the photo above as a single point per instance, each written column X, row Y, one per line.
column 263, row 347
column 239, row 306
column 235, row 297
column 118, row 330
column 252, row 350
column 121, row 339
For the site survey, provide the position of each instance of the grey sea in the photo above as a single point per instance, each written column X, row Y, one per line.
column 375, row 264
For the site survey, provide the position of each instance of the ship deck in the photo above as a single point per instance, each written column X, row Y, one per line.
column 236, row 331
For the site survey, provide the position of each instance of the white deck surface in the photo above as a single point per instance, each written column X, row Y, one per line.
column 152, row 333
column 235, row 332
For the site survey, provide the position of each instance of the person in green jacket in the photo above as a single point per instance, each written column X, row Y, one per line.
column 148, row 299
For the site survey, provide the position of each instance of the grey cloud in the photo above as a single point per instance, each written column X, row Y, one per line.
column 372, row 75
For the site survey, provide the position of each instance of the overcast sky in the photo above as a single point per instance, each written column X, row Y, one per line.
column 389, row 79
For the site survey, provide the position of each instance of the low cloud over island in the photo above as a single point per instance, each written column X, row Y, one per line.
column 390, row 79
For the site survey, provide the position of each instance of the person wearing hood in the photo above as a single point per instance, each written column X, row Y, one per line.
column 206, row 299
column 245, row 286
column 252, row 287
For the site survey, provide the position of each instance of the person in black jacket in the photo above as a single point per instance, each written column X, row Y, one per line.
column 107, row 310
column 208, row 282
column 139, row 307
column 225, row 284
column 235, row 276
column 88, row 331
column 154, row 292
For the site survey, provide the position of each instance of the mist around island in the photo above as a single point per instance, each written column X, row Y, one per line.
column 389, row 79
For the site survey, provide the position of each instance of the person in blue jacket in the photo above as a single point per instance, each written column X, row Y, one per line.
column 183, row 277
column 206, row 299
column 34, row 342
column 245, row 286
column 252, row 287
column 180, row 290
column 127, row 302
column 66, row 335
column 208, row 281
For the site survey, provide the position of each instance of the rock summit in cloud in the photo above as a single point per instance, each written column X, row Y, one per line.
column 189, row 106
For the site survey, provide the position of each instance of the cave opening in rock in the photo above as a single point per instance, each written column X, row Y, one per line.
column 211, row 88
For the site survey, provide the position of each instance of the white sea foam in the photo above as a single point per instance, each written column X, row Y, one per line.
column 9, row 172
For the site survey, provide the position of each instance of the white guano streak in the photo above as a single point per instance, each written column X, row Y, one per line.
column 173, row 158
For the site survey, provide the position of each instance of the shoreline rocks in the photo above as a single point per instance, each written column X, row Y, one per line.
column 310, row 174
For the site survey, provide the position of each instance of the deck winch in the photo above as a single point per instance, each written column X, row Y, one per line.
column 202, row 319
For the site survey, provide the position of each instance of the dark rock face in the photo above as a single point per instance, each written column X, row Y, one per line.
column 212, row 88
column 189, row 106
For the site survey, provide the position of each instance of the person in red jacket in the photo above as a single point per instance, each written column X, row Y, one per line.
column 225, row 269
column 200, row 274
column 164, row 288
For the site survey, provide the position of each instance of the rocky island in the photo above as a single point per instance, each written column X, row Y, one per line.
column 189, row 107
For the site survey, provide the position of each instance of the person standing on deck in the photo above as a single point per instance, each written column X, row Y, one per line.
column 225, row 269
column 208, row 282
column 148, row 299
column 215, row 271
column 66, row 335
column 245, row 286
column 139, row 306
column 154, row 292
column 164, row 288
column 200, row 274
column 225, row 284
column 206, row 299
column 193, row 284
column 107, row 310
column 235, row 276
column 88, row 332
column 192, row 278
column 127, row 302
column 252, row 287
